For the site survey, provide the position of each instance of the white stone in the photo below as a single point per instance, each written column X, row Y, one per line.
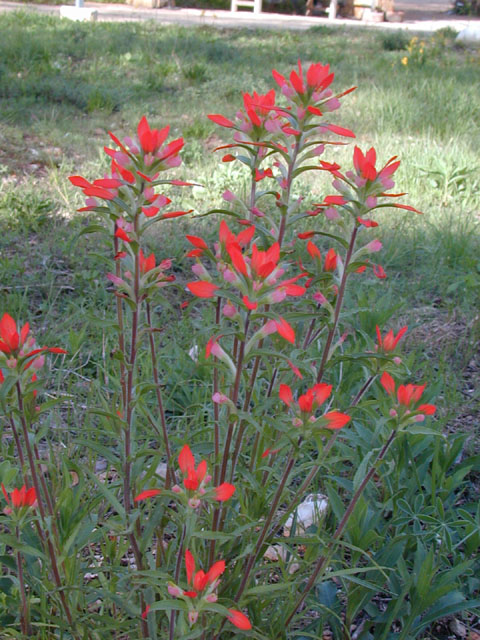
column 470, row 35
column 311, row 511
column 80, row 14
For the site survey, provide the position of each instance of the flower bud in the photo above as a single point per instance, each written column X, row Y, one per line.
column 229, row 310
column 212, row 597
column 173, row 590
column 192, row 616
column 229, row 196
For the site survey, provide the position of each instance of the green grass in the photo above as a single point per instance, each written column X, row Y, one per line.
column 63, row 85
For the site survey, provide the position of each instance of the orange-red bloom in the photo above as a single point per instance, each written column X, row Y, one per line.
column 15, row 343
column 148, row 493
column 407, row 396
column 20, row 498
column 195, row 479
column 199, row 580
column 239, row 619
column 202, row 288
column 390, row 341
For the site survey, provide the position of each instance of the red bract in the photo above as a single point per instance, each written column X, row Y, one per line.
column 330, row 260
column 285, row 330
column 200, row 580
column 11, row 340
column 186, row 462
column 148, row 493
column 390, row 341
column 407, row 397
column 202, row 289
column 308, row 403
column 239, row 619
column 310, row 400
column 14, row 343
column 195, row 479
column 318, row 78
column 258, row 107
column 151, row 139
column 20, row 498
column 146, row 264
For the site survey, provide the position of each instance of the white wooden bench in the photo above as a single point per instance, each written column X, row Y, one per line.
column 256, row 5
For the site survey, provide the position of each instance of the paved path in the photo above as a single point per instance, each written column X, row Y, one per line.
column 420, row 15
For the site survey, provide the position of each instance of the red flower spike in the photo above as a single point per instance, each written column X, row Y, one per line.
column 20, row 498
column 228, row 158
column 145, row 613
column 239, row 620
column 390, row 341
column 365, row 164
column 150, row 139
column 200, row 580
column 202, row 289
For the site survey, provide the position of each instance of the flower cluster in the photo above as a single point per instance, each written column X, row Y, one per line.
column 201, row 592
column 306, row 405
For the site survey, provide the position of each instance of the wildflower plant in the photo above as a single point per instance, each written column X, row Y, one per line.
column 271, row 287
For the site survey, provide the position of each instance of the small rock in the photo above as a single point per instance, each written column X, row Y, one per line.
column 469, row 35
column 310, row 511
column 458, row 628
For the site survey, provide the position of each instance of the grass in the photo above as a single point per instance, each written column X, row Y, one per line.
column 63, row 85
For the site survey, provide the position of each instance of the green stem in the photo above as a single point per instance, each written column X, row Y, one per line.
column 41, row 508
column 170, row 476
column 24, row 624
column 338, row 306
column 339, row 530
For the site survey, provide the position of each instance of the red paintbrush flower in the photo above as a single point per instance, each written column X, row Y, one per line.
column 20, row 498
column 408, row 396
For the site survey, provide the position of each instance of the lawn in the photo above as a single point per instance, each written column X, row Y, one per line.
column 64, row 86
